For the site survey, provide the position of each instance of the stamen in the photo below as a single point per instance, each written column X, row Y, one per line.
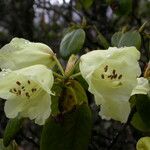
column 19, row 92
column 112, row 77
column 14, row 89
column 22, row 87
column 120, row 76
column 11, row 91
column 106, row 68
column 115, row 76
column 18, row 83
column 102, row 76
column 27, row 94
column 114, row 71
column 33, row 89
column 29, row 82
column 109, row 76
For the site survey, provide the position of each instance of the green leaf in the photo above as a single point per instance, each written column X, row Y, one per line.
column 143, row 108
column 79, row 92
column 68, row 99
column 86, row 3
column 121, row 7
column 132, row 101
column 12, row 146
column 102, row 41
column 72, row 43
column 56, row 89
column 130, row 38
column 83, row 82
column 138, row 123
column 72, row 94
column 12, row 128
column 71, row 132
column 116, row 38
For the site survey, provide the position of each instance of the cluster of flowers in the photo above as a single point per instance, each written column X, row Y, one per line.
column 26, row 79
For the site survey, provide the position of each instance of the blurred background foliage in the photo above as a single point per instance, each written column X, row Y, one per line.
column 48, row 21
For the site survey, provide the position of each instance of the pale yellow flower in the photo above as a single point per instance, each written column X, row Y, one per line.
column 143, row 143
column 20, row 53
column 112, row 75
column 27, row 92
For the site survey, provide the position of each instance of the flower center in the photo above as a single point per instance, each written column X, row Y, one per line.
column 112, row 75
column 22, row 90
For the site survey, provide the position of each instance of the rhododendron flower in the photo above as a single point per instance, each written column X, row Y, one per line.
column 20, row 53
column 142, row 87
column 27, row 92
column 143, row 143
column 112, row 75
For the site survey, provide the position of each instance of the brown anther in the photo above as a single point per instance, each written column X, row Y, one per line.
column 112, row 77
column 115, row 76
column 33, row 89
column 11, row 91
column 114, row 71
column 109, row 76
column 19, row 92
column 27, row 95
column 29, row 82
column 102, row 76
column 18, row 83
column 120, row 76
column 14, row 90
column 22, row 87
column 106, row 68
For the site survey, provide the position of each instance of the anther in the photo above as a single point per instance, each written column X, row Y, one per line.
column 106, row 68
column 114, row 71
column 11, row 91
column 115, row 76
column 29, row 82
column 18, row 83
column 27, row 95
column 120, row 76
column 112, row 77
column 22, row 87
column 19, row 92
column 14, row 89
column 109, row 76
column 102, row 76
column 33, row 90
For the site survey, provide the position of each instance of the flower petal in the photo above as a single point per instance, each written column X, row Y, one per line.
column 39, row 108
column 39, row 74
column 142, row 87
column 92, row 60
column 20, row 53
column 112, row 108
column 13, row 107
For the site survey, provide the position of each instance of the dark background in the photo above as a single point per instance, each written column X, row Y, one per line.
column 47, row 22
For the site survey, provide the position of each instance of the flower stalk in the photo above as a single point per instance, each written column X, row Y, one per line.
column 57, row 75
column 75, row 75
column 59, row 65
